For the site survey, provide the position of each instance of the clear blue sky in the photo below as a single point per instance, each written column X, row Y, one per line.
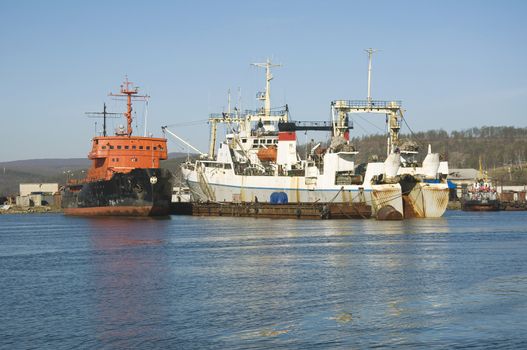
column 454, row 64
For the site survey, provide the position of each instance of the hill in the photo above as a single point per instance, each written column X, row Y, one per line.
column 57, row 170
column 502, row 149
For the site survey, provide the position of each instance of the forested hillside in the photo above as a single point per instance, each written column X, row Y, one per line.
column 498, row 146
column 502, row 149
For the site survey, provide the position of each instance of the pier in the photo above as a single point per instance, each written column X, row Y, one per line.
column 312, row 211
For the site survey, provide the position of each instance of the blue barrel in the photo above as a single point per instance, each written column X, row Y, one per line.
column 278, row 198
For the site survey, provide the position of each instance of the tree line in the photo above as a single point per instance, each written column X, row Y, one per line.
column 498, row 146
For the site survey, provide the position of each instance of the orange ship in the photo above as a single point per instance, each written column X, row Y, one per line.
column 125, row 177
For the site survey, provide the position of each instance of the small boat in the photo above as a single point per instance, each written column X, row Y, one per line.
column 480, row 196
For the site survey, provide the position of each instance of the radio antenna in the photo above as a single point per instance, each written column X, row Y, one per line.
column 103, row 115
column 370, row 53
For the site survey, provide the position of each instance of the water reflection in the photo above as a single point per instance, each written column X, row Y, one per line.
column 130, row 280
column 239, row 283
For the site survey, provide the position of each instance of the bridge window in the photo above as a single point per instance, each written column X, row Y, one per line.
column 111, row 147
column 103, row 147
column 155, row 148
column 133, row 147
column 119, row 147
column 126, row 147
column 147, row 147
column 140, row 147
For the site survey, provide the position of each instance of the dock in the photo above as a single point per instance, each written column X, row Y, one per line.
column 310, row 211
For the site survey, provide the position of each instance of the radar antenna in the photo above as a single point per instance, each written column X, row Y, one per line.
column 266, row 96
column 129, row 91
column 104, row 115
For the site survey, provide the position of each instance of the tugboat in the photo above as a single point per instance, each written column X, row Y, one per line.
column 125, row 178
column 481, row 196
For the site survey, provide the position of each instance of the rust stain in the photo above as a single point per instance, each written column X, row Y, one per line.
column 408, row 207
column 389, row 213
column 117, row 211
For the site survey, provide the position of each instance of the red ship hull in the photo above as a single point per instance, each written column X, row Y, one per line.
column 118, row 211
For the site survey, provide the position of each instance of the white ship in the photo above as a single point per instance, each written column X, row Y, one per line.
column 424, row 187
column 258, row 162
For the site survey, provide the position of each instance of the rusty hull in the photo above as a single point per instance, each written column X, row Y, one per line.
column 387, row 195
column 118, row 211
column 285, row 211
column 426, row 200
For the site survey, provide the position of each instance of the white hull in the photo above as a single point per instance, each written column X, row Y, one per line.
column 427, row 200
column 224, row 186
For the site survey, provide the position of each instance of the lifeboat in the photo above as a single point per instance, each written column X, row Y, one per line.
column 267, row 154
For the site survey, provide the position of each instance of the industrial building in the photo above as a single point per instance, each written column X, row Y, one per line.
column 38, row 194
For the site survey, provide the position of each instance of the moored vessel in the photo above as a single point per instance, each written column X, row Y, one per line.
column 480, row 196
column 424, row 188
column 259, row 160
column 125, row 178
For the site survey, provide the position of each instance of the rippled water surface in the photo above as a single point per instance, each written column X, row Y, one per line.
column 242, row 283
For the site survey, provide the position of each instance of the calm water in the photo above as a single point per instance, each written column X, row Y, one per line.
column 224, row 283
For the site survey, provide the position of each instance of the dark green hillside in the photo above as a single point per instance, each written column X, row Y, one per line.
column 502, row 149
column 497, row 146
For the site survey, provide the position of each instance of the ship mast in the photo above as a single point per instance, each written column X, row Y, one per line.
column 370, row 53
column 104, row 116
column 341, row 109
column 266, row 96
column 129, row 91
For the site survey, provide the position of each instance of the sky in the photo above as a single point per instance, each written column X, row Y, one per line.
column 454, row 64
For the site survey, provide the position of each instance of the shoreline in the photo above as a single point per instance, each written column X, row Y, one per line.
column 30, row 210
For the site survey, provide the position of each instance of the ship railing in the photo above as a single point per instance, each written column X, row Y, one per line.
column 226, row 115
column 260, row 133
column 261, row 112
column 308, row 125
column 376, row 104
column 248, row 112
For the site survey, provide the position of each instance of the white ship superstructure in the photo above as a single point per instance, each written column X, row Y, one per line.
column 424, row 186
column 259, row 158
column 258, row 161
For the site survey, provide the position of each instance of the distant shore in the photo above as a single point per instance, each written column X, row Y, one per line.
column 30, row 210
